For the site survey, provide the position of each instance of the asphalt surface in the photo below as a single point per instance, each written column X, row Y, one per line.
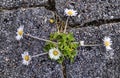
column 95, row 20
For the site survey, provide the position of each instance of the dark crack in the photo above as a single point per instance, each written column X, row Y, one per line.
column 23, row 5
column 64, row 70
column 100, row 22
column 51, row 5
column 15, row 8
column 96, row 23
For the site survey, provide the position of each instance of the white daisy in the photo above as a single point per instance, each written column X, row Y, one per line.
column 82, row 43
column 54, row 53
column 26, row 58
column 107, row 43
column 70, row 12
column 20, row 32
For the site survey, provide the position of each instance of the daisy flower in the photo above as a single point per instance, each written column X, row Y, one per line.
column 82, row 43
column 20, row 32
column 107, row 43
column 26, row 58
column 70, row 12
column 54, row 53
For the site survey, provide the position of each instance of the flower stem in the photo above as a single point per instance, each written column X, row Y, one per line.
column 89, row 44
column 66, row 25
column 39, row 55
column 40, row 38
column 56, row 17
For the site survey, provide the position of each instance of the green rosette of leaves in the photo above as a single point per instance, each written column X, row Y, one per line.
column 65, row 43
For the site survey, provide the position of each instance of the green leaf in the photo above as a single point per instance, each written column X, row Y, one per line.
column 48, row 46
column 60, row 60
column 66, row 45
column 70, row 37
column 71, row 60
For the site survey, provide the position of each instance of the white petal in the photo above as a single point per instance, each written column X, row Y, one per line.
column 18, row 37
column 107, row 39
column 56, row 57
column 20, row 28
column 66, row 10
column 108, row 48
column 26, row 53
column 25, row 62
column 23, row 55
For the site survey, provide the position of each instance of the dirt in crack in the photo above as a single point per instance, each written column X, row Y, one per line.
column 96, row 23
column 51, row 5
column 64, row 70
column 22, row 6
column 101, row 21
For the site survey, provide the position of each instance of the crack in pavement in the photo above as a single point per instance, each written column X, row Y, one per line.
column 64, row 70
column 96, row 23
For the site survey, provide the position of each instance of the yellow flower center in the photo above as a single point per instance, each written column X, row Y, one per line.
column 20, row 32
column 70, row 13
column 51, row 20
column 55, row 53
column 107, row 43
column 27, row 58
